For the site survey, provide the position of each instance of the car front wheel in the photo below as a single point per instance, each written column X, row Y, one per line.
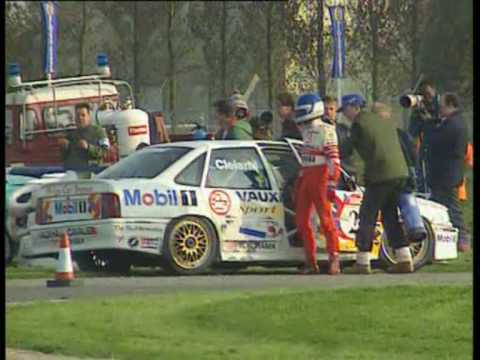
column 422, row 252
column 190, row 246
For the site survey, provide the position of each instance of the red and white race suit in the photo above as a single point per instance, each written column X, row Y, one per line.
column 315, row 185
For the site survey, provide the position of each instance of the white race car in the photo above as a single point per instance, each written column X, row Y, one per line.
column 190, row 206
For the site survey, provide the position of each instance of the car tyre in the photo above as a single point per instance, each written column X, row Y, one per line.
column 190, row 246
column 422, row 252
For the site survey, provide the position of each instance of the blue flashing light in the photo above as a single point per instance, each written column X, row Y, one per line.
column 13, row 69
column 102, row 59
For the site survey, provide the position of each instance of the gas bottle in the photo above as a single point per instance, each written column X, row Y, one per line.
column 412, row 219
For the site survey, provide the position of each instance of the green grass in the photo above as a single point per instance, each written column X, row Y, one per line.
column 464, row 263
column 16, row 272
column 420, row 322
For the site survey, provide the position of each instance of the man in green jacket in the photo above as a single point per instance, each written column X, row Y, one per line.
column 84, row 145
column 238, row 126
column 386, row 174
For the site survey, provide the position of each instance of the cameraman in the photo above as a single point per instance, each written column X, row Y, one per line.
column 262, row 126
column 426, row 113
column 448, row 144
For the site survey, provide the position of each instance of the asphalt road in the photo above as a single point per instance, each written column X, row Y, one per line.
column 21, row 291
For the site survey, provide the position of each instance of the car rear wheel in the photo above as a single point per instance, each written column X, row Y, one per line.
column 422, row 252
column 190, row 246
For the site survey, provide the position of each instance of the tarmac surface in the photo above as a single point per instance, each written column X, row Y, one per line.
column 26, row 291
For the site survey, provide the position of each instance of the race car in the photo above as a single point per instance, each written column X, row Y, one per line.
column 192, row 206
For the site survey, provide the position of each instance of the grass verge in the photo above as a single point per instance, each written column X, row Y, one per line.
column 408, row 322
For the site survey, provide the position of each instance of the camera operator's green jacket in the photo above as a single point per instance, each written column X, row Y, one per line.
column 377, row 143
column 240, row 131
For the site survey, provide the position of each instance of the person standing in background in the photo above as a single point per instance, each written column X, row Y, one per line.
column 446, row 156
column 285, row 109
column 85, row 145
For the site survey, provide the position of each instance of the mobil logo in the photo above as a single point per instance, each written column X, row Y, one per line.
column 136, row 197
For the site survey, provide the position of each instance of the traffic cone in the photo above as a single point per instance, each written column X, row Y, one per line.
column 64, row 275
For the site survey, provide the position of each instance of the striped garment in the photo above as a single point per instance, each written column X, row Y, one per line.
column 321, row 147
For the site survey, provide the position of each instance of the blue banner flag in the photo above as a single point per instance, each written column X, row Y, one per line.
column 338, row 35
column 50, row 36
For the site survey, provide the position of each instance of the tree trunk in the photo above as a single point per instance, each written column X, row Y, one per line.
column 223, row 35
column 414, row 39
column 135, row 51
column 374, row 34
column 269, row 55
column 321, row 81
column 171, row 66
column 83, row 34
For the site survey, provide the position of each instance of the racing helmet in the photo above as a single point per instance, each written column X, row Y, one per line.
column 308, row 107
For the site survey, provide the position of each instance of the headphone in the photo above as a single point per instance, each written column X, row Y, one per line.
column 242, row 113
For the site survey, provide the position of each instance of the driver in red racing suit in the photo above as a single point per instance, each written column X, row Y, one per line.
column 315, row 185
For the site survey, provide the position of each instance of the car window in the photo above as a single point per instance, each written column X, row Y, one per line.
column 238, row 168
column 65, row 119
column 8, row 126
column 284, row 163
column 144, row 164
column 192, row 174
column 30, row 123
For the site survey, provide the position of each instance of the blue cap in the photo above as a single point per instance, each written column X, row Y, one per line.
column 352, row 99
column 102, row 59
column 13, row 69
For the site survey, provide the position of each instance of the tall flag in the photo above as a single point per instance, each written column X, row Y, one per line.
column 338, row 34
column 50, row 36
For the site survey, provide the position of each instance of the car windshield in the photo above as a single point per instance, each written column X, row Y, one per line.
column 145, row 164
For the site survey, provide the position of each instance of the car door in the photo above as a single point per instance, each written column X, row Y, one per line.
column 244, row 204
column 345, row 209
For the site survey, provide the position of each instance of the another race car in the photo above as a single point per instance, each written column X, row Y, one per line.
column 191, row 206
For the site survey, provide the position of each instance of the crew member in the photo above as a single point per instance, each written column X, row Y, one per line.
column 158, row 130
column 386, row 174
column 448, row 144
column 315, row 185
column 261, row 126
column 285, row 109
column 351, row 161
column 84, row 145
column 423, row 120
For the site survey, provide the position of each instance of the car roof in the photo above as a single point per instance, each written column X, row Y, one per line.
column 214, row 144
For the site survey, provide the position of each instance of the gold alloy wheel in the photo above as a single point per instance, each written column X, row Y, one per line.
column 189, row 244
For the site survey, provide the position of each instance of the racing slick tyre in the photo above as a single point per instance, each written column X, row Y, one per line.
column 422, row 252
column 94, row 262
column 190, row 246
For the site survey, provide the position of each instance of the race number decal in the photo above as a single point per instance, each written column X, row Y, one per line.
column 220, row 202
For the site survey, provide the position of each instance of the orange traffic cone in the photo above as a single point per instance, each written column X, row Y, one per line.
column 64, row 275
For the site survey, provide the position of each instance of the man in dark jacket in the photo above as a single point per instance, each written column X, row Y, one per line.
column 285, row 108
column 84, row 146
column 423, row 120
column 448, row 143
column 351, row 161
column 386, row 173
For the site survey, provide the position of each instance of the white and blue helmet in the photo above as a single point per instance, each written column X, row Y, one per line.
column 308, row 107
